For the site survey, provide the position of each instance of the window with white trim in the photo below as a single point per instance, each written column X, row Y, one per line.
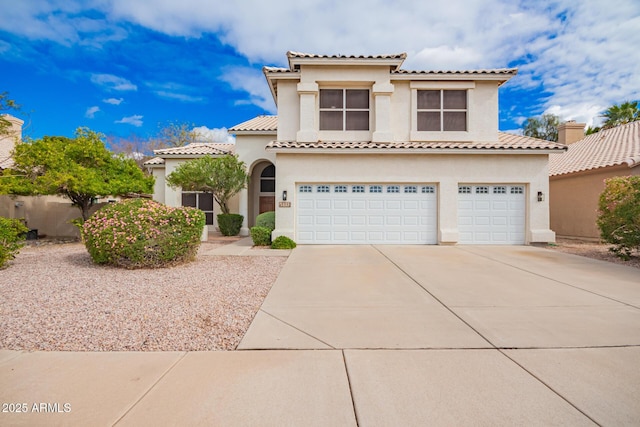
column 340, row 189
column 357, row 189
column 410, row 189
column 393, row 189
column 323, row 189
column 464, row 189
column 517, row 190
column 500, row 190
column 202, row 201
column 344, row 109
column 375, row 189
column 442, row 110
column 428, row 189
column 482, row 190
column 306, row 189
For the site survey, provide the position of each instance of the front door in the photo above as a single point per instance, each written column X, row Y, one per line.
column 267, row 204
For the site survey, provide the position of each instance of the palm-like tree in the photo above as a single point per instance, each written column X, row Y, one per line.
column 620, row 114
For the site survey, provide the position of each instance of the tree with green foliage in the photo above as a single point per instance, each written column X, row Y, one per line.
column 544, row 127
column 79, row 168
column 617, row 115
column 591, row 130
column 619, row 214
column 6, row 105
column 223, row 177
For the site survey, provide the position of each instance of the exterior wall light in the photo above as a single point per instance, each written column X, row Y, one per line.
column 284, row 195
column 540, row 196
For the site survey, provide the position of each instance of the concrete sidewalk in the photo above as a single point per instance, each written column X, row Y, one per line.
column 384, row 335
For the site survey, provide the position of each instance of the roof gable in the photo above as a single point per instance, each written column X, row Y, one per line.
column 261, row 124
column 611, row 147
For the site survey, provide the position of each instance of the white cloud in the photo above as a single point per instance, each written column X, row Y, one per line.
column 91, row 112
column 214, row 135
column 113, row 101
column 176, row 91
column 253, row 82
column 111, row 82
column 135, row 120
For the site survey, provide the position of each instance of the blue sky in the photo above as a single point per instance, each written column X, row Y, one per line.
column 124, row 67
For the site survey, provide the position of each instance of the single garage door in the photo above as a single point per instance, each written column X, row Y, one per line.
column 366, row 213
column 491, row 214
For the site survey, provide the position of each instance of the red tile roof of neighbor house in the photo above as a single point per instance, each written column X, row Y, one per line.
column 506, row 141
column 611, row 147
column 257, row 124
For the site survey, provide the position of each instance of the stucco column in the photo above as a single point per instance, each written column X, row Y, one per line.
column 308, row 131
column 382, row 102
column 243, row 209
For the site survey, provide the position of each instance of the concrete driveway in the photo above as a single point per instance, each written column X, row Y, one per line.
column 465, row 335
column 377, row 336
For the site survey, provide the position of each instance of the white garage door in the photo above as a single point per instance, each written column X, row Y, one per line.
column 491, row 214
column 366, row 213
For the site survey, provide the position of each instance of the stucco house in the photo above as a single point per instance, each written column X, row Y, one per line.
column 576, row 179
column 363, row 151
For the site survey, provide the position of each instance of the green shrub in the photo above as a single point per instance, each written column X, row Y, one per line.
column 230, row 224
column 283, row 242
column 139, row 233
column 12, row 233
column 261, row 236
column 267, row 220
column 619, row 215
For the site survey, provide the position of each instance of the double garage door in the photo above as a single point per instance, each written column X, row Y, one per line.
column 406, row 214
column 367, row 213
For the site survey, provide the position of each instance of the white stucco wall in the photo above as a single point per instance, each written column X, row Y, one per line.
column 393, row 114
column 447, row 171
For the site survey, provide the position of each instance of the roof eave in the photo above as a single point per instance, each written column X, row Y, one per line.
column 395, row 61
column 500, row 78
column 253, row 132
column 503, row 151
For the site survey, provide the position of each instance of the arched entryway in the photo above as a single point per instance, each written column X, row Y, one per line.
column 262, row 190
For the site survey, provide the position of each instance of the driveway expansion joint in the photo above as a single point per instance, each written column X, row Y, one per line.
column 297, row 329
column 151, row 387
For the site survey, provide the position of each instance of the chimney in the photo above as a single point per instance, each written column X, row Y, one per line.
column 570, row 132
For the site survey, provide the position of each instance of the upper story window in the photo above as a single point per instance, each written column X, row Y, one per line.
column 344, row 109
column 442, row 110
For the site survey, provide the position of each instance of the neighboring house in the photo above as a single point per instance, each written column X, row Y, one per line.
column 365, row 152
column 576, row 179
column 49, row 215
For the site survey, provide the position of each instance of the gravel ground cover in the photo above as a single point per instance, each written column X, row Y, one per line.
column 53, row 297
column 593, row 250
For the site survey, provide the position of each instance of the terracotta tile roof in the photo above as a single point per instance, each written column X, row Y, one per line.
column 611, row 147
column 505, row 141
column 258, row 124
column 291, row 54
column 498, row 71
column 267, row 69
column 156, row 161
column 197, row 149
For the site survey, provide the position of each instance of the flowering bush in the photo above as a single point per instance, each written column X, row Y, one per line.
column 619, row 215
column 140, row 233
column 11, row 234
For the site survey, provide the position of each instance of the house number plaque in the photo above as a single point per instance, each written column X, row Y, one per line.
column 284, row 204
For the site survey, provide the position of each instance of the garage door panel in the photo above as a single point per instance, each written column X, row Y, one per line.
column 491, row 214
column 366, row 213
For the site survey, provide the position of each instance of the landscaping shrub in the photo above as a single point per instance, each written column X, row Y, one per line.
column 619, row 215
column 12, row 233
column 139, row 233
column 267, row 220
column 261, row 236
column 283, row 242
column 230, row 224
